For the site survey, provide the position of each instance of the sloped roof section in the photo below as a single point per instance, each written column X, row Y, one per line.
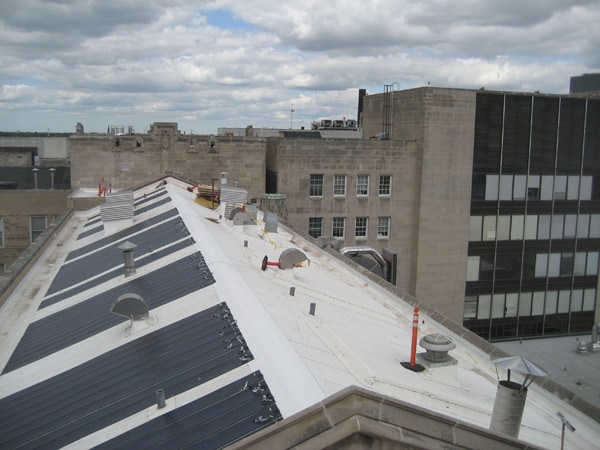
column 234, row 348
column 123, row 381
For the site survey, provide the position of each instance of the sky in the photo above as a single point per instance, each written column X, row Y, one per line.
column 209, row 64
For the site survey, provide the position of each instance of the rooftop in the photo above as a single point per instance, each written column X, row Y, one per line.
column 233, row 349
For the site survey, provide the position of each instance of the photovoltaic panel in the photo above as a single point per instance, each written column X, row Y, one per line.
column 122, row 382
column 92, row 316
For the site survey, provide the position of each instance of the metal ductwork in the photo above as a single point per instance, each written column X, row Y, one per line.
column 353, row 252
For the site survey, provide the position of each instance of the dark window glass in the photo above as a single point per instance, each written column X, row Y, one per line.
column 543, row 134
column 517, row 121
column 508, row 266
column 478, row 187
column 570, row 136
column 488, row 131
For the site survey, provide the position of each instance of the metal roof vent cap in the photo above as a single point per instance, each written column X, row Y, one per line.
column 437, row 347
column 128, row 260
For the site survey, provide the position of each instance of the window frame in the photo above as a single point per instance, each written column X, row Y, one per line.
column 363, row 228
column 335, row 227
column 34, row 233
column 385, row 186
column 312, row 227
column 362, row 190
column 385, row 228
column 315, row 186
column 338, row 187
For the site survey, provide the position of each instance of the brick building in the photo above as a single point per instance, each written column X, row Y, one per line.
column 34, row 186
column 445, row 178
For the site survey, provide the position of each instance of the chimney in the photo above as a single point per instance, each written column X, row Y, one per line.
column 35, row 171
column 129, row 263
column 52, row 171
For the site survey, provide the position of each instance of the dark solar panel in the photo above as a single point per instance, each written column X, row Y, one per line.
column 214, row 421
column 69, row 326
column 91, row 231
column 113, row 386
column 139, row 263
column 121, row 234
column 139, row 210
column 149, row 197
column 93, row 220
column 110, row 257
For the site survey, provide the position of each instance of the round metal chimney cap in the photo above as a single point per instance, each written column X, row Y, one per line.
column 437, row 342
column 127, row 246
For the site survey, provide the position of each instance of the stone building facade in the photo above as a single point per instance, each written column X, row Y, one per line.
column 34, row 186
column 408, row 186
column 128, row 161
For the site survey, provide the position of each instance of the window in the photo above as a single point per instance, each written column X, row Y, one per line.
column 385, row 185
column 595, row 226
column 339, row 185
column 533, row 187
column 339, row 226
column 516, row 227
column 560, row 187
column 316, row 185
column 37, row 225
column 547, row 185
column 315, row 225
column 573, row 187
column 531, row 227
column 525, row 304
column 520, row 187
column 566, row 265
column 383, row 227
column 360, row 227
column 491, row 187
column 2, row 269
column 586, row 188
column 592, row 264
column 489, row 228
column 475, row 228
column 362, row 185
column 473, row 268
column 470, row 309
column 483, row 307
column 506, row 187
column 1, row 232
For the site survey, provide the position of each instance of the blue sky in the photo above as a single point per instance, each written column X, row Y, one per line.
column 223, row 63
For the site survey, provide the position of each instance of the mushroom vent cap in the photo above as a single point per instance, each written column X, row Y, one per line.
column 437, row 347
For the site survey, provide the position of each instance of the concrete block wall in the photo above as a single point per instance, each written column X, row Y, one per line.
column 445, row 198
column 295, row 159
column 16, row 156
column 139, row 159
column 16, row 206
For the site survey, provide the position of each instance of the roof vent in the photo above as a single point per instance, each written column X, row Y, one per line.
column 117, row 207
column 128, row 260
column 437, row 347
column 133, row 307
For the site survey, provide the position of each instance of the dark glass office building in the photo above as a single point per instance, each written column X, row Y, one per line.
column 534, row 238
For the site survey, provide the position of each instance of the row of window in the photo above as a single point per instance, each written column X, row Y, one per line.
column 37, row 225
column 532, row 187
column 526, row 304
column 540, row 265
column 545, row 226
column 338, row 227
column 340, row 185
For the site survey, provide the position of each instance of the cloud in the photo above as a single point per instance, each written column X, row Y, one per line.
column 215, row 63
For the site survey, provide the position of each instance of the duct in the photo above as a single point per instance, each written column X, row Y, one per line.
column 324, row 241
column 364, row 250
